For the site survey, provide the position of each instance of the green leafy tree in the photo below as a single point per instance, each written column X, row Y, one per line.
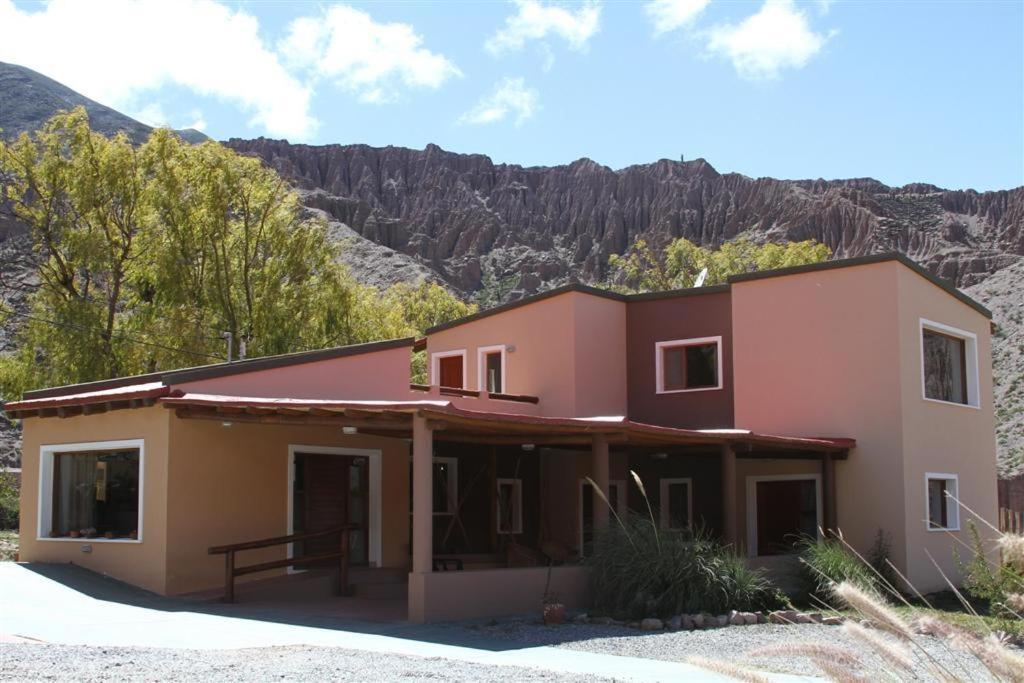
column 643, row 269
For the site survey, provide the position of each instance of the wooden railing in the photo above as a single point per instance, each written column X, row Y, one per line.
column 473, row 393
column 1011, row 521
column 231, row 571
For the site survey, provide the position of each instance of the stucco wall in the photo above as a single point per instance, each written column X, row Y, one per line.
column 817, row 354
column 946, row 438
column 142, row 563
column 230, row 485
column 688, row 317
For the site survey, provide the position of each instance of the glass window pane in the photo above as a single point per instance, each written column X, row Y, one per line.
column 96, row 494
column 945, row 377
column 937, row 504
column 493, row 370
column 702, row 366
column 673, row 368
column 679, row 505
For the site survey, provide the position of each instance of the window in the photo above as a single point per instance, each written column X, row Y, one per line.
column 91, row 491
column 676, row 503
column 688, row 365
column 943, row 510
column 449, row 369
column 949, row 364
column 491, row 368
column 587, row 500
column 510, row 506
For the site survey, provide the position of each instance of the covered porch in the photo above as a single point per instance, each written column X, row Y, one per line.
column 494, row 499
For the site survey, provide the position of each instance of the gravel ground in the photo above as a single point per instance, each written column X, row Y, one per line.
column 725, row 643
column 297, row 663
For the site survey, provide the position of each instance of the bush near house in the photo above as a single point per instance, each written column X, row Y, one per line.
column 9, row 491
column 828, row 561
column 639, row 570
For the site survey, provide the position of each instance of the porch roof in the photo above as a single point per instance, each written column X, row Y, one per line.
column 451, row 423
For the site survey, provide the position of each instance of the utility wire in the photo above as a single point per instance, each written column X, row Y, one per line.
column 121, row 337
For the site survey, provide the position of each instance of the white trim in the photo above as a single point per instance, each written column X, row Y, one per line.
column 517, row 508
column 970, row 358
column 620, row 503
column 952, row 504
column 373, row 550
column 435, row 363
column 752, row 503
column 663, row 500
column 481, row 374
column 659, row 377
column 44, row 512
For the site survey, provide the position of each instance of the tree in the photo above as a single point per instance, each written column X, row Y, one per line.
column 146, row 254
column 642, row 269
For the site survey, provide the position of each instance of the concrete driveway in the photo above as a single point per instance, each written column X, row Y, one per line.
column 63, row 604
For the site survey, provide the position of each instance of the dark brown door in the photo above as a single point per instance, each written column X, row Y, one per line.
column 330, row 491
column 450, row 369
column 786, row 510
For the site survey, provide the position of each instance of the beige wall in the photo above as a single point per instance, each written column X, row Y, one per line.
column 941, row 437
column 570, row 350
column 142, row 563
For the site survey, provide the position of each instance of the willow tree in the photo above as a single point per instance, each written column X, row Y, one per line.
column 681, row 263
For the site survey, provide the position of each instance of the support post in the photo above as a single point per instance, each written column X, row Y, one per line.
column 599, row 473
column 828, row 492
column 229, row 576
column 422, row 496
column 729, row 511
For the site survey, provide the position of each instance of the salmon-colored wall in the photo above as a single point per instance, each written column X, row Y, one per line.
column 569, row 351
column 686, row 317
column 941, row 437
column 379, row 375
column 230, row 485
column 142, row 563
column 817, row 354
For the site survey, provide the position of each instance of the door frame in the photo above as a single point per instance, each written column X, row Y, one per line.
column 373, row 550
column 751, row 503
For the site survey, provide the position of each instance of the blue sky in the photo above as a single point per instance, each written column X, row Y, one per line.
column 904, row 92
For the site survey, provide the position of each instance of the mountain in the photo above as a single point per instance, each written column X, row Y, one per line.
column 27, row 98
column 461, row 219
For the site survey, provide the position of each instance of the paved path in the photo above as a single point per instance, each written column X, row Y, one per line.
column 38, row 608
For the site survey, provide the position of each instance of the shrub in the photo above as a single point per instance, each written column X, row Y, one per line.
column 639, row 570
column 991, row 583
column 827, row 561
column 8, row 501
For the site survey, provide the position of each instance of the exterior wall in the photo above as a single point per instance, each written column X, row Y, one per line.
column 685, row 317
column 378, row 375
column 142, row 563
column 939, row 437
column 815, row 354
column 569, row 351
column 230, row 485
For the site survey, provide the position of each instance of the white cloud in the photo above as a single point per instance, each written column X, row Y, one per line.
column 365, row 57
column 117, row 51
column 536, row 21
column 669, row 15
column 777, row 37
column 151, row 114
column 510, row 96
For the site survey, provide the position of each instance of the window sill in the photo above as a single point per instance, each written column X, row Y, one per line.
column 950, row 403
column 940, row 529
column 687, row 391
column 68, row 539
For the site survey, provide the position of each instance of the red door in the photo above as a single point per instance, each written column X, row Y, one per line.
column 450, row 369
column 786, row 510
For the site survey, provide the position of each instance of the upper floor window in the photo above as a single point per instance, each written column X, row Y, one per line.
column 949, row 360
column 448, row 369
column 492, row 369
column 688, row 364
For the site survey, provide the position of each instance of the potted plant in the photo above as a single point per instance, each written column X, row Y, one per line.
column 552, row 609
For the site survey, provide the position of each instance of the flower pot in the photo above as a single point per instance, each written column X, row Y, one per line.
column 554, row 613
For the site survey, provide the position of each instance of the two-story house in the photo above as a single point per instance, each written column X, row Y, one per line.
column 852, row 395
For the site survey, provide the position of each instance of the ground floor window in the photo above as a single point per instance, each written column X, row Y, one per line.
column 91, row 493
column 510, row 506
column 616, row 495
column 943, row 510
column 676, row 502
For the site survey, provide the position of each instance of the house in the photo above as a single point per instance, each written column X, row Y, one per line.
column 853, row 395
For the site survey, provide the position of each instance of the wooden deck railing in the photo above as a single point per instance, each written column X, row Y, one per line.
column 231, row 571
column 473, row 393
column 1011, row 521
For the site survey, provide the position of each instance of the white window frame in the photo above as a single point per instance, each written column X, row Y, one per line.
column 44, row 512
column 481, row 362
column 373, row 550
column 435, row 366
column 970, row 358
column 752, row 503
column 620, row 503
column 663, row 513
column 659, row 362
column 517, row 506
column 952, row 506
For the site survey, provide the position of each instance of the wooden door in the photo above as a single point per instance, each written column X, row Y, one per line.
column 450, row 370
column 332, row 490
column 786, row 510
